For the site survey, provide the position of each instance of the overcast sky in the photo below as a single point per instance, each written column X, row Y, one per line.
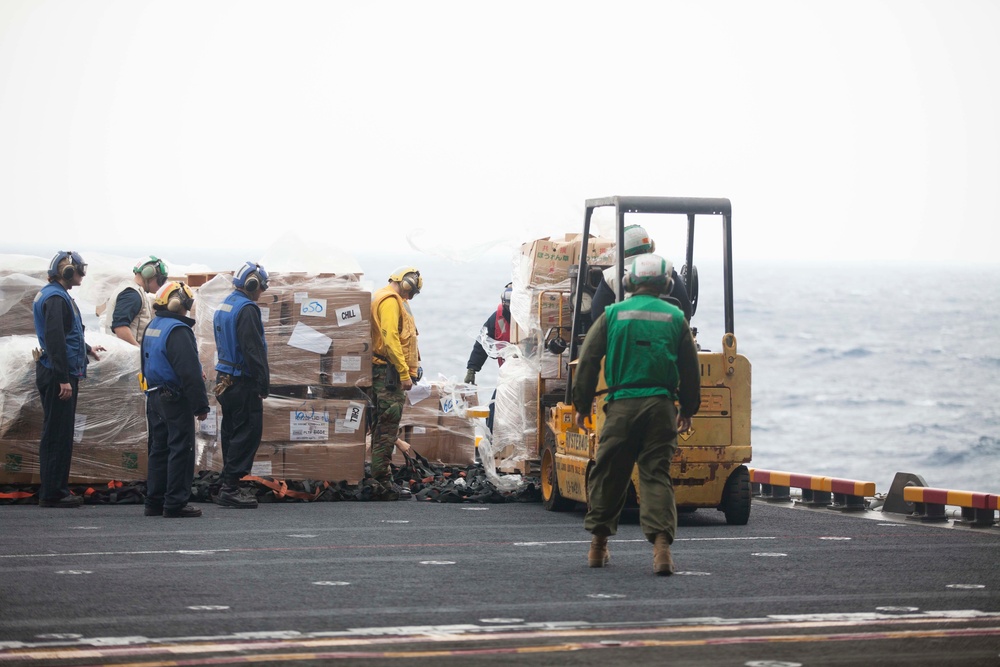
column 839, row 130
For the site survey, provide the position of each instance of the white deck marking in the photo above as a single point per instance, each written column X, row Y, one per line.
column 331, row 583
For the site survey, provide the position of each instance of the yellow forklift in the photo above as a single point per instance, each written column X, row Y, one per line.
column 709, row 468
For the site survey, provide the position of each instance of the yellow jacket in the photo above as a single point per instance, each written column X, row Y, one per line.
column 394, row 333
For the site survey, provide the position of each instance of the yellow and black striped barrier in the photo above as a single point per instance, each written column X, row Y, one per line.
column 829, row 492
column 978, row 509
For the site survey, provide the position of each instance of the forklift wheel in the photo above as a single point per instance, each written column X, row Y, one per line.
column 551, row 499
column 736, row 497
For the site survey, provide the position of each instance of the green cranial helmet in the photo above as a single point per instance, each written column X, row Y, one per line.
column 649, row 272
column 637, row 241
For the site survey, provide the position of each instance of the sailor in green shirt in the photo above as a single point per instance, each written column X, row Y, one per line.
column 651, row 363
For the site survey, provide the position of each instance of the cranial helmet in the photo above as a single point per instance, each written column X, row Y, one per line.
column 637, row 241
column 153, row 267
column 250, row 277
column 174, row 296
column 505, row 295
column 409, row 280
column 67, row 264
column 648, row 271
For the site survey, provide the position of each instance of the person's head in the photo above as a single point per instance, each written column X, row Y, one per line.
column 68, row 268
column 251, row 279
column 175, row 297
column 505, row 295
column 151, row 273
column 408, row 281
column 637, row 241
column 649, row 274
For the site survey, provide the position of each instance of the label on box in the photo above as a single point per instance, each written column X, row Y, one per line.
column 350, row 363
column 265, row 313
column 355, row 413
column 419, row 430
column 210, row 425
column 261, row 469
column 348, row 315
column 13, row 462
column 338, row 378
column 306, row 338
column 313, row 307
column 341, row 426
column 130, row 461
column 308, row 425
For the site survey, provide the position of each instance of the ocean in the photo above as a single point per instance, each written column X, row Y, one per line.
column 859, row 370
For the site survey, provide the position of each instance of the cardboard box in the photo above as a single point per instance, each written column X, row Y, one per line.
column 17, row 297
column 19, row 462
column 268, row 462
column 101, row 463
column 328, row 308
column 322, row 461
column 333, row 421
column 290, row 365
column 424, row 412
column 546, row 261
column 442, row 446
column 105, row 415
column 348, row 363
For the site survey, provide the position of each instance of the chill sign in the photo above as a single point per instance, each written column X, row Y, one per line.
column 348, row 315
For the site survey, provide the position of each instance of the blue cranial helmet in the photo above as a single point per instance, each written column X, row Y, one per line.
column 250, row 277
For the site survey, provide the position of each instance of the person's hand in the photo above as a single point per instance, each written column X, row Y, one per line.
column 94, row 350
column 201, row 417
column 470, row 376
column 403, row 445
column 683, row 424
column 407, row 384
column 580, row 421
column 65, row 391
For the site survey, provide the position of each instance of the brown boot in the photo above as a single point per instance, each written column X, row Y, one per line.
column 663, row 564
column 598, row 555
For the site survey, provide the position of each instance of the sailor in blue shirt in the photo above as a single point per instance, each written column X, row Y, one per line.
column 60, row 363
column 242, row 382
column 175, row 397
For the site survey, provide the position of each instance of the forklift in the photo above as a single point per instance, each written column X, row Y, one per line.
column 709, row 468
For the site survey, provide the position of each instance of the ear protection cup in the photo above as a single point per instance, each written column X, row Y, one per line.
column 411, row 283
column 174, row 296
column 152, row 268
column 70, row 269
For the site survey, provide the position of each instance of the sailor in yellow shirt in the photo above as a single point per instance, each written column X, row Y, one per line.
column 396, row 366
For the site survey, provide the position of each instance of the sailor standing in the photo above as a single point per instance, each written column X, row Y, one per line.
column 60, row 363
column 176, row 396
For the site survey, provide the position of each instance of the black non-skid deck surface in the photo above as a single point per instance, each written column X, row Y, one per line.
column 349, row 583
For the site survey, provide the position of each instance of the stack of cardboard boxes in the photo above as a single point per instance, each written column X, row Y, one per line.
column 435, row 424
column 541, row 311
column 318, row 335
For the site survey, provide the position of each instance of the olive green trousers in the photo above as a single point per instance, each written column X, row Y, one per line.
column 639, row 431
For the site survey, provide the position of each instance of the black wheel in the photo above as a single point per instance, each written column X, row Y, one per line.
column 736, row 497
column 552, row 500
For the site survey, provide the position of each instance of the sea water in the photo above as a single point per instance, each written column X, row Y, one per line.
column 859, row 370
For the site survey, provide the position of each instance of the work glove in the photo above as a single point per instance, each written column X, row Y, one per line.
column 470, row 376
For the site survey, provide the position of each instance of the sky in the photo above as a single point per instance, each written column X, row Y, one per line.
column 861, row 130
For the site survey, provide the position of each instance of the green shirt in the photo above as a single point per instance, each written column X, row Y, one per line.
column 650, row 351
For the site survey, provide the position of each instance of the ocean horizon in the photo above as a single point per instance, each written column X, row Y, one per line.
column 860, row 370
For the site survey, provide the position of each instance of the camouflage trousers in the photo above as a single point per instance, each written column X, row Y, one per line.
column 385, row 424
